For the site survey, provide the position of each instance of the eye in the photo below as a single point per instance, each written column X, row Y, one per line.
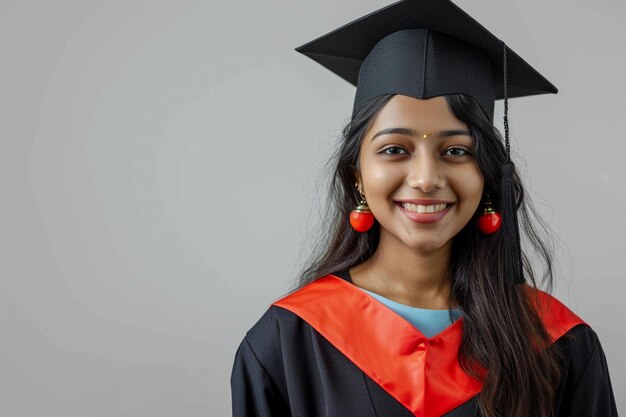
column 394, row 152
column 464, row 152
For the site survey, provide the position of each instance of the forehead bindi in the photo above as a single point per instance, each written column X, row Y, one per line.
column 405, row 131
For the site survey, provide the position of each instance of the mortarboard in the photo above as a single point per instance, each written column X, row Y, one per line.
column 428, row 48
column 424, row 48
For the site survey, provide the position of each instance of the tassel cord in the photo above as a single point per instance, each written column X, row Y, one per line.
column 512, row 253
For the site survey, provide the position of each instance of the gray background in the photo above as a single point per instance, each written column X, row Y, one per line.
column 161, row 179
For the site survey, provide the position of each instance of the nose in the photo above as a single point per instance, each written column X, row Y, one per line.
column 425, row 173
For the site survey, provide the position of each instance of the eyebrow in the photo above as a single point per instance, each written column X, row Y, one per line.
column 411, row 132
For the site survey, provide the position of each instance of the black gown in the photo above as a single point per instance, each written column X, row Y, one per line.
column 329, row 349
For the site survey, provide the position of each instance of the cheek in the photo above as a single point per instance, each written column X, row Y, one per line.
column 470, row 187
column 382, row 178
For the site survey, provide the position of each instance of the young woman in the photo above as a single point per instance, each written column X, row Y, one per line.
column 421, row 300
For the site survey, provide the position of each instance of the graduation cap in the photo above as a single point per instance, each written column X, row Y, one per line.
column 428, row 48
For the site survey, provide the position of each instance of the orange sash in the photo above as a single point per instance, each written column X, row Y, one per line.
column 421, row 373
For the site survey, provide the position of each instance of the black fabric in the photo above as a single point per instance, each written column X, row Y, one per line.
column 422, row 63
column 424, row 48
column 284, row 367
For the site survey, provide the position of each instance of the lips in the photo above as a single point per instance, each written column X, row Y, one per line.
column 424, row 208
column 424, row 201
column 426, row 217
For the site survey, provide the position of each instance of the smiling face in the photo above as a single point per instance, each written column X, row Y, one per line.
column 396, row 163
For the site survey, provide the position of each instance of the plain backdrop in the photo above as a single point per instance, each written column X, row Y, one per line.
column 161, row 180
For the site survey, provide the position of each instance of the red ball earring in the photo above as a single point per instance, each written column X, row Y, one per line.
column 361, row 218
column 490, row 221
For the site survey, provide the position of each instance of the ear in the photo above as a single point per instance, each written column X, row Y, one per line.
column 357, row 177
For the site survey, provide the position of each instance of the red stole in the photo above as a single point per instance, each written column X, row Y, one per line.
column 421, row 373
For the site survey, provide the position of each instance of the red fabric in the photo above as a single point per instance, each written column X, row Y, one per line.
column 422, row 373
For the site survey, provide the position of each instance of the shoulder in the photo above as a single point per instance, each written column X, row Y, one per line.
column 557, row 318
column 579, row 345
column 280, row 322
column 578, row 342
column 275, row 332
column 585, row 387
column 272, row 326
column 284, row 327
column 268, row 344
column 581, row 335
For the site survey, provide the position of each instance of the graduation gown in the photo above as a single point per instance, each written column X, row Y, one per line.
column 330, row 349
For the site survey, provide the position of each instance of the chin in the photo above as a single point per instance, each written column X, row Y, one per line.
column 425, row 245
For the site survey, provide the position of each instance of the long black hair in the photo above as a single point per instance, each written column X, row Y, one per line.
column 501, row 329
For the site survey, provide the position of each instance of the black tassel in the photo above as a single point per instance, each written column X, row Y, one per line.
column 509, row 228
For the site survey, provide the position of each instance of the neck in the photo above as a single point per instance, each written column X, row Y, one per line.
column 406, row 275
